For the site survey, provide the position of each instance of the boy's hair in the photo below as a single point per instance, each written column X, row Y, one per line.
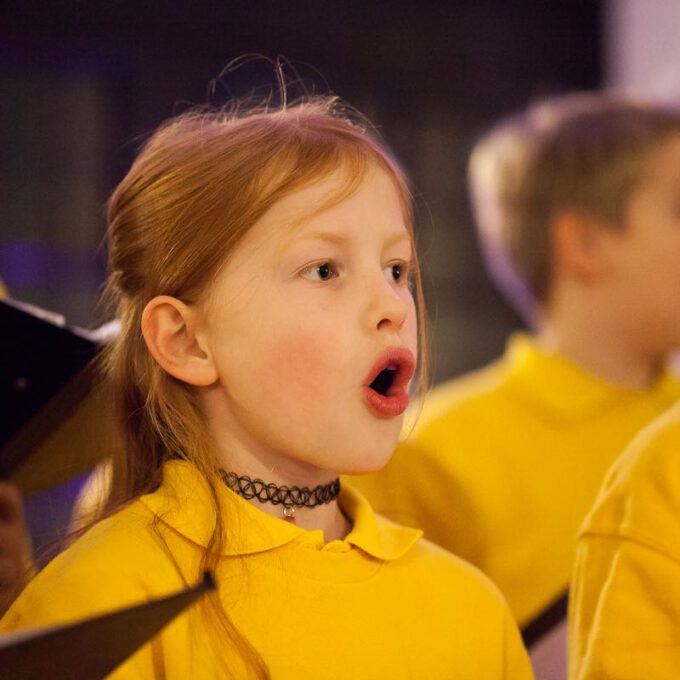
column 584, row 152
column 197, row 186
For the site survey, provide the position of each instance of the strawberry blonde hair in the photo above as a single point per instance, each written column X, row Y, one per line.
column 201, row 181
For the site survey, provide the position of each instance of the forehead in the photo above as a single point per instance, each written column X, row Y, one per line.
column 336, row 201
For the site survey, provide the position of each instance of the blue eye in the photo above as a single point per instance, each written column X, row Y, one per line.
column 320, row 272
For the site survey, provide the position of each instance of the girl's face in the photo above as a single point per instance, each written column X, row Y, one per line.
column 310, row 307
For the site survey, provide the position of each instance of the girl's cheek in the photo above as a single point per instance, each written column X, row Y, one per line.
column 410, row 334
column 305, row 357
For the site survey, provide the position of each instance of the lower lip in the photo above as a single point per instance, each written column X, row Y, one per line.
column 387, row 405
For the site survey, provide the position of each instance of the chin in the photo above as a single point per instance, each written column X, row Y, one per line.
column 370, row 461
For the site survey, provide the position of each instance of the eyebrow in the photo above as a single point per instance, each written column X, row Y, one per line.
column 338, row 238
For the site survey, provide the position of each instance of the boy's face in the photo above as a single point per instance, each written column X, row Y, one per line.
column 645, row 255
column 306, row 307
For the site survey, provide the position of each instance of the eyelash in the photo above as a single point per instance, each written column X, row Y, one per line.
column 328, row 265
column 330, row 271
column 405, row 272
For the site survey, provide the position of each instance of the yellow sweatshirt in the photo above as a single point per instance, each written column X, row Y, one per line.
column 382, row 603
column 504, row 464
column 624, row 621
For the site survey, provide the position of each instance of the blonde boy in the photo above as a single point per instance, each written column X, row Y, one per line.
column 578, row 207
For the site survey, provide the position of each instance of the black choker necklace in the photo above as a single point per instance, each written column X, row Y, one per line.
column 290, row 497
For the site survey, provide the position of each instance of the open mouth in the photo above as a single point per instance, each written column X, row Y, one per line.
column 384, row 380
column 386, row 388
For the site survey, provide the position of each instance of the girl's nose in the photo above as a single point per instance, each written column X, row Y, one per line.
column 387, row 307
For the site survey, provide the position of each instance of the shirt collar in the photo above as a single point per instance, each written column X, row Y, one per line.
column 372, row 533
column 183, row 503
column 565, row 387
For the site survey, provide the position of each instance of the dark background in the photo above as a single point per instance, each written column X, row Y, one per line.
column 82, row 82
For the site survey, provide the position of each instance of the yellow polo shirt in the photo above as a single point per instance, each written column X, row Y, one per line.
column 382, row 603
column 504, row 464
column 624, row 621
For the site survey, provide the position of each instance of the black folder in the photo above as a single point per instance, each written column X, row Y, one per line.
column 92, row 648
column 49, row 428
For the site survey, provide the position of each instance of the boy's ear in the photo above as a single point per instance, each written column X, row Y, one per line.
column 578, row 243
column 169, row 328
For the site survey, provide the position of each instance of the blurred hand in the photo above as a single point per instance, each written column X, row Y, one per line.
column 15, row 545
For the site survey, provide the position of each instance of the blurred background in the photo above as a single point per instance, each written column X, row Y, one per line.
column 83, row 82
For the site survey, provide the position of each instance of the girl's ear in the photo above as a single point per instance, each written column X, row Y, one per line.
column 578, row 243
column 170, row 333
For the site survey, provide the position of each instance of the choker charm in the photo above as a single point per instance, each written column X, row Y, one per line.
column 290, row 497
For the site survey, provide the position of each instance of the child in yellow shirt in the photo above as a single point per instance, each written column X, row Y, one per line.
column 577, row 210
column 262, row 263
column 625, row 604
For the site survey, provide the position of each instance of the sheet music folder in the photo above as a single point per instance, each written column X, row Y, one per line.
column 46, row 376
column 93, row 648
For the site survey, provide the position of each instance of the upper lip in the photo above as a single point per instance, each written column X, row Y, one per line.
column 401, row 360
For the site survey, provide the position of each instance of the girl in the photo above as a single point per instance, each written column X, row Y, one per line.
column 261, row 265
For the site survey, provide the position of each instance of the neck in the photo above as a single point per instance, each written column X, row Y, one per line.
column 327, row 517
column 599, row 345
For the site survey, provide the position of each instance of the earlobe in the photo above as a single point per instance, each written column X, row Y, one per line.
column 169, row 330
